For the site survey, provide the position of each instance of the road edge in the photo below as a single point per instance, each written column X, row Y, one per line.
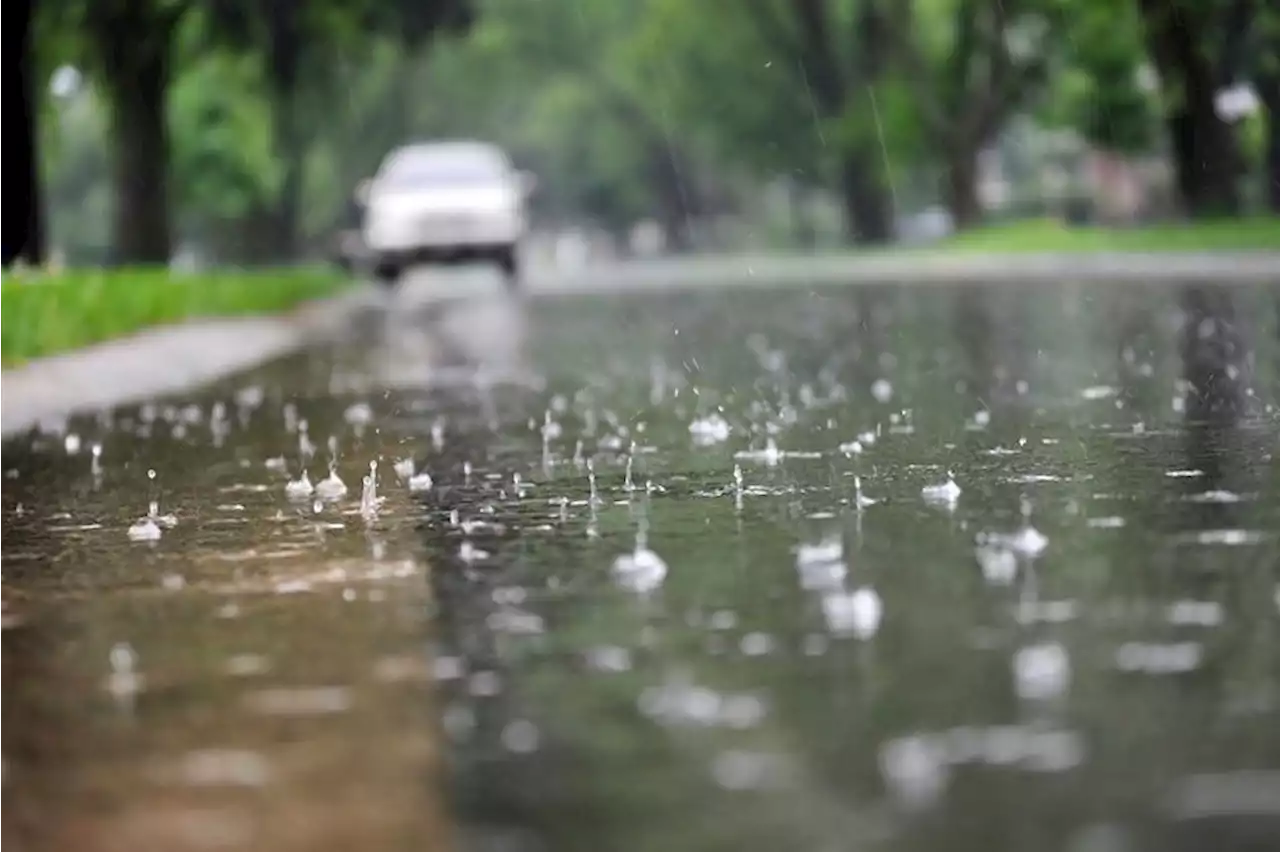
column 158, row 361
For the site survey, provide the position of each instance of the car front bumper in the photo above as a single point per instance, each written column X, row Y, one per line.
column 441, row 233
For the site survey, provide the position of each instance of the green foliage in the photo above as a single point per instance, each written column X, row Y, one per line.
column 1105, row 88
column 596, row 96
column 74, row 163
column 1048, row 235
column 223, row 161
column 715, row 72
column 47, row 313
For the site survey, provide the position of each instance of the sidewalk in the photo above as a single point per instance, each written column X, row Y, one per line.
column 159, row 361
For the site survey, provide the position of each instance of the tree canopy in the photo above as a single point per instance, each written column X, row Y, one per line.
column 240, row 128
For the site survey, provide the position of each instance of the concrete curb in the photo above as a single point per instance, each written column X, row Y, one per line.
column 160, row 361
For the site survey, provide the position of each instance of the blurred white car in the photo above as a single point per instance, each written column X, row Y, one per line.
column 444, row 202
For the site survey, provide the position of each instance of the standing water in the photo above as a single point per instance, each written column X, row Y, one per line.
column 780, row 642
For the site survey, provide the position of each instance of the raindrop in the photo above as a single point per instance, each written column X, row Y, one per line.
column 369, row 499
column 641, row 571
column 999, row 565
column 300, row 488
column 915, row 770
column 709, row 430
column 860, row 500
column 331, row 487
column 756, row 644
column 857, row 613
column 946, row 493
column 359, row 414
column 1041, row 672
column 520, row 736
column 420, row 482
column 769, row 456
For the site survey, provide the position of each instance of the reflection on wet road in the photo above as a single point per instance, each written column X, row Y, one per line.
column 918, row 568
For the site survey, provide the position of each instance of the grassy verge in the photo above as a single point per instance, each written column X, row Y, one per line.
column 45, row 312
column 1045, row 235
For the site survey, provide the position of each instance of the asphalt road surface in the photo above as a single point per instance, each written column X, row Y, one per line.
column 790, row 566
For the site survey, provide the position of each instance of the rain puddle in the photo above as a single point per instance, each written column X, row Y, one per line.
column 920, row 568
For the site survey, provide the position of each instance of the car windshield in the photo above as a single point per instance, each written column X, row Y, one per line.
column 415, row 169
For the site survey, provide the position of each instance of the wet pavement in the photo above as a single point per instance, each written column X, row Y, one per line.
column 954, row 567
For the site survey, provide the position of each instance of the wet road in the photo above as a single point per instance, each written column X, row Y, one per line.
column 684, row 572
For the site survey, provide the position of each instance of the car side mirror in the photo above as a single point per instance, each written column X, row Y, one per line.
column 362, row 192
column 528, row 182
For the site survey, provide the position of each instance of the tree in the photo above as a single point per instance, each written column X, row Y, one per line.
column 1261, row 60
column 841, row 52
column 587, row 46
column 297, row 41
column 128, row 45
column 797, row 88
column 974, row 64
column 1188, row 42
column 1103, row 89
column 25, row 238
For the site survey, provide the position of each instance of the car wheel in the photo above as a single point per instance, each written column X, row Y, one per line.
column 506, row 260
column 387, row 274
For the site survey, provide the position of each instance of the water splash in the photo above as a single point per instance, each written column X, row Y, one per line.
column 861, row 500
column 712, row 429
column 421, row 481
column 1041, row 672
column 306, row 449
column 369, row 499
column 999, row 564
column 300, row 488
column 945, row 494
column 640, row 571
column 124, row 681
column 145, row 530
column 770, row 455
column 151, row 527
column 627, row 483
column 594, row 497
column 857, row 613
column 332, row 487
column 1028, row 542
column 821, row 566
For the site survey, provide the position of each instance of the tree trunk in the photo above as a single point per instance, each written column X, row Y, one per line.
column 24, row 239
column 675, row 209
column 284, row 64
column 1206, row 158
column 961, row 190
column 868, row 213
column 1269, row 93
column 137, row 80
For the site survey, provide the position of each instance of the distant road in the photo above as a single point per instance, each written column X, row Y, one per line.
column 909, row 267
column 176, row 357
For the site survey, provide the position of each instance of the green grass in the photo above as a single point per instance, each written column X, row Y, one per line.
column 1046, row 235
column 49, row 312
